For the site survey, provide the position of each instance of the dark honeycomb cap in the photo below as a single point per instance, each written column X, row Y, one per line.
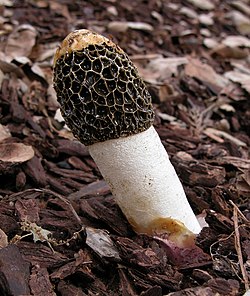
column 99, row 89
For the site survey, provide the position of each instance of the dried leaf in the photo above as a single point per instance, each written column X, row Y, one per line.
column 4, row 133
column 140, row 26
column 15, row 152
column 236, row 41
column 166, row 67
column 206, row 19
column 202, row 4
column 210, row 43
column 241, row 22
column 243, row 183
column 21, row 41
column 241, row 78
column 112, row 10
column 1, row 78
column 206, row 74
column 7, row 67
column 6, row 3
column 233, row 46
column 61, row 9
column 240, row 5
column 159, row 69
column 119, row 26
column 188, row 12
column 3, row 239
column 227, row 108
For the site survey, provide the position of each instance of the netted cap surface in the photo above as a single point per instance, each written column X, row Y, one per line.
column 99, row 90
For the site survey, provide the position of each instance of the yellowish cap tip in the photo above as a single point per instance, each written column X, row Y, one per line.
column 80, row 39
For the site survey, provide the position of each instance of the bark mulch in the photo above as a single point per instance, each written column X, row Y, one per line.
column 61, row 232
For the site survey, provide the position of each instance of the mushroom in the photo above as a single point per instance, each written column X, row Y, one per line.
column 108, row 108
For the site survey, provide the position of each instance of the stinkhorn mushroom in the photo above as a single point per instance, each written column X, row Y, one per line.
column 108, row 108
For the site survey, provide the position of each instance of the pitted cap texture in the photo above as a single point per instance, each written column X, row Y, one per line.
column 99, row 90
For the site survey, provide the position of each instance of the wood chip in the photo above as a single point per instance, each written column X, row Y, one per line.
column 15, row 283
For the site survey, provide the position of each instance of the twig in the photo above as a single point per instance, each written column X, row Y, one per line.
column 238, row 247
column 210, row 132
column 241, row 214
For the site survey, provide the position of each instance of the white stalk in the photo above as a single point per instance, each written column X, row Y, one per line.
column 143, row 181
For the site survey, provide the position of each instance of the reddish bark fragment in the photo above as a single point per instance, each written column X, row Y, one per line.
column 79, row 164
column 27, row 210
column 219, row 222
column 154, row 291
column 224, row 287
column 246, row 248
column 197, row 291
column 136, row 255
column 127, row 287
column 73, row 148
column 105, row 210
column 40, row 254
column 166, row 281
column 200, row 174
column 8, row 224
column 20, row 180
column 72, row 268
column 59, row 216
column 219, row 201
column 74, row 174
column 57, row 185
column 19, row 114
column 201, row 275
column 34, row 169
column 40, row 284
column 71, row 183
column 26, row 194
column 67, row 289
column 14, row 272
